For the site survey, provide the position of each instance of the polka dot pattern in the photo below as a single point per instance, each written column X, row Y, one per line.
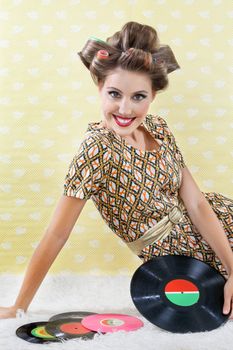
column 47, row 99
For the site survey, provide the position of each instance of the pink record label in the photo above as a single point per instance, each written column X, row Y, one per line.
column 114, row 322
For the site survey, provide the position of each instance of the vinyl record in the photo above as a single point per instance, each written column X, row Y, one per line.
column 72, row 314
column 105, row 323
column 179, row 294
column 35, row 333
column 68, row 329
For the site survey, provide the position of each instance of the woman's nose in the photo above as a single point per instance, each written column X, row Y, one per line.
column 125, row 107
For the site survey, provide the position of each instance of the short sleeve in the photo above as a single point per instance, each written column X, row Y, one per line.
column 179, row 156
column 87, row 170
column 177, row 153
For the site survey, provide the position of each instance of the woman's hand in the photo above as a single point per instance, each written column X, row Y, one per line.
column 228, row 296
column 8, row 312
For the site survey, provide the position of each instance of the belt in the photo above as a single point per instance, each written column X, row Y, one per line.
column 160, row 231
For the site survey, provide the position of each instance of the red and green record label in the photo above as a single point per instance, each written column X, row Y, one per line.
column 182, row 292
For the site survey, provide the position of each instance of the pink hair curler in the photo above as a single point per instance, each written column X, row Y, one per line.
column 102, row 54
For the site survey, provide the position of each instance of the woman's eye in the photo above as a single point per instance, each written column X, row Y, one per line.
column 137, row 97
column 113, row 94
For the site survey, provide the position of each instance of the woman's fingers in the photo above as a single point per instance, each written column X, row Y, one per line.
column 228, row 298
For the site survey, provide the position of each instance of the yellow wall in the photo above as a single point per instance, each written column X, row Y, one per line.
column 48, row 97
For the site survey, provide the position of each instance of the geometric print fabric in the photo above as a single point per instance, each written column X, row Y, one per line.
column 134, row 189
column 184, row 239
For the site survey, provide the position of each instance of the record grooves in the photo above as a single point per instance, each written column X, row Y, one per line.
column 35, row 333
column 179, row 294
column 70, row 315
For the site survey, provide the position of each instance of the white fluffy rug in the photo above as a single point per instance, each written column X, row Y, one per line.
column 103, row 294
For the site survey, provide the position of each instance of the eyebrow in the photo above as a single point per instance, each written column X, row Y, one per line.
column 136, row 92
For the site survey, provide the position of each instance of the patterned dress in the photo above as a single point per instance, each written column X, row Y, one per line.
column 134, row 189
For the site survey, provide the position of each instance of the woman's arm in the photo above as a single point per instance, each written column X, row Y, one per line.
column 56, row 235
column 209, row 226
column 205, row 219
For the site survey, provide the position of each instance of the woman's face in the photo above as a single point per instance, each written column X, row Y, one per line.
column 125, row 100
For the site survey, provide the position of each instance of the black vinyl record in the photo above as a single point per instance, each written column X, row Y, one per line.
column 71, row 314
column 35, row 333
column 68, row 329
column 179, row 294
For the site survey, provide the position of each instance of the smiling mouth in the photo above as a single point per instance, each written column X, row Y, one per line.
column 122, row 121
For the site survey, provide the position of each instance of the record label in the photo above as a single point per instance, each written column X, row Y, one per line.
column 74, row 328
column 41, row 333
column 68, row 329
column 112, row 322
column 182, row 292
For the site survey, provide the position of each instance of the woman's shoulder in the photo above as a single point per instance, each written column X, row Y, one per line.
column 94, row 145
column 156, row 119
column 158, row 125
column 97, row 131
column 95, row 135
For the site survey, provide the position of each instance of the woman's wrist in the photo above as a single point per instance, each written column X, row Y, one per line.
column 20, row 308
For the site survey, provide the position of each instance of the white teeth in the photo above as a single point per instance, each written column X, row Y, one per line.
column 123, row 121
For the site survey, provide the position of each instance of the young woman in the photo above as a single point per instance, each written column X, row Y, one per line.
column 131, row 167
